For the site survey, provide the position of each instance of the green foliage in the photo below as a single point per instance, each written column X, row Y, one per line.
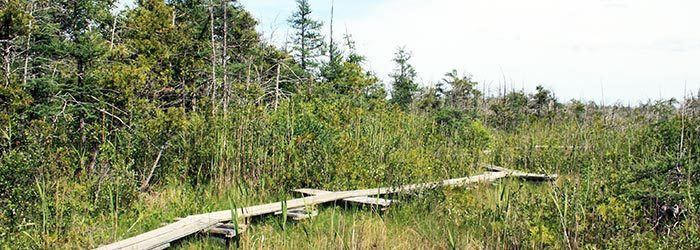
column 114, row 129
column 308, row 42
column 429, row 100
column 543, row 102
column 13, row 19
column 403, row 79
column 331, row 70
column 510, row 111
column 462, row 93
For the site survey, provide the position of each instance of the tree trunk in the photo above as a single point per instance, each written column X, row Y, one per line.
column 302, row 52
column 330, row 50
column 27, row 57
column 6, row 61
column 114, row 28
column 277, row 87
column 224, row 59
column 146, row 181
column 213, row 58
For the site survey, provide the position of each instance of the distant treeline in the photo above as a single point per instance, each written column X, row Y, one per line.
column 187, row 92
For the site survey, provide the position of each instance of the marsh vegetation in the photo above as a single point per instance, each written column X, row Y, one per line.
column 112, row 124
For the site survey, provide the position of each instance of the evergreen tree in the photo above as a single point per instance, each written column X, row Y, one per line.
column 509, row 111
column 13, row 25
column 165, row 62
column 462, row 93
column 346, row 74
column 307, row 39
column 353, row 55
column 69, row 46
column 332, row 68
column 542, row 102
column 403, row 79
column 429, row 99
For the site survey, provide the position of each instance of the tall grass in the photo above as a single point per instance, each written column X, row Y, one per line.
column 615, row 175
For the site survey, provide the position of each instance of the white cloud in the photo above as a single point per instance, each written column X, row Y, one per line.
column 630, row 50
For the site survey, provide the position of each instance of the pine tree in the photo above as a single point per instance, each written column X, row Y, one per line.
column 462, row 93
column 353, row 55
column 332, row 69
column 13, row 25
column 542, row 102
column 68, row 45
column 307, row 39
column 351, row 78
column 403, row 79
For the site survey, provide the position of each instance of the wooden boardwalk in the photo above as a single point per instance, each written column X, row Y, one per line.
column 162, row 237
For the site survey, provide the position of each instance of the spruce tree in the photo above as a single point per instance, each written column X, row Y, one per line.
column 353, row 55
column 13, row 25
column 462, row 93
column 307, row 39
column 403, row 79
column 351, row 78
column 332, row 69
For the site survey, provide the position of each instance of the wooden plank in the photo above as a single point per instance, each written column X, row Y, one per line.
column 196, row 223
column 302, row 215
column 366, row 200
column 225, row 232
column 522, row 175
column 161, row 247
column 290, row 211
column 370, row 201
column 241, row 227
column 311, row 191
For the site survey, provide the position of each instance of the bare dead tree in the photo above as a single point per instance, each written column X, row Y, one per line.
column 225, row 85
column 224, row 57
column 332, row 45
column 27, row 55
column 213, row 56
column 146, row 181
column 7, row 49
column 114, row 28
column 277, row 86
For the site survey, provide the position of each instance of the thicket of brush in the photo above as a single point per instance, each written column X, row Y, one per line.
column 111, row 124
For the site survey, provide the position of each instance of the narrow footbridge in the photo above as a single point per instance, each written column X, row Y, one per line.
column 219, row 222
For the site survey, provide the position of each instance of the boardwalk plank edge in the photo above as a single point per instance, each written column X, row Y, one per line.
column 163, row 236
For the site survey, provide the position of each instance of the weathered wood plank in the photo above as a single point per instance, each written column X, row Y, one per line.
column 161, row 247
column 522, row 175
column 311, row 191
column 302, row 215
column 371, row 201
column 299, row 213
column 374, row 201
column 224, row 232
column 196, row 223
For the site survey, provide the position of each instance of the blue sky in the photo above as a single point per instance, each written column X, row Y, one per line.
column 623, row 51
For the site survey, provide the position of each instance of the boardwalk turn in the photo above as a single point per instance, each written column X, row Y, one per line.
column 162, row 237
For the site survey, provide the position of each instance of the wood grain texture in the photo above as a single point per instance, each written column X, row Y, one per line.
column 523, row 175
column 197, row 223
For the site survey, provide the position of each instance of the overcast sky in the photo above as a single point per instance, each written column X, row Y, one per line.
column 623, row 50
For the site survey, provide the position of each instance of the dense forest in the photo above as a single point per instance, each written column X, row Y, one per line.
column 112, row 122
